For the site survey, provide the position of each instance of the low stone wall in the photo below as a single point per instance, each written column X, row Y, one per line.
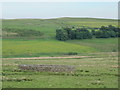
column 48, row 68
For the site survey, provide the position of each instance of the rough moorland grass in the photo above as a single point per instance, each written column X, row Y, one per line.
column 13, row 48
column 98, row 72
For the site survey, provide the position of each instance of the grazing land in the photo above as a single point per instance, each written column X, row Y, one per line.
column 33, row 48
column 48, row 26
column 18, row 48
column 96, row 63
column 100, row 71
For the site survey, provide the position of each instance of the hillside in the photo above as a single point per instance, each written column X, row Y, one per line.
column 46, row 44
column 48, row 26
column 32, row 42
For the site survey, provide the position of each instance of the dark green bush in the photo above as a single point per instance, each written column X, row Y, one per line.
column 72, row 53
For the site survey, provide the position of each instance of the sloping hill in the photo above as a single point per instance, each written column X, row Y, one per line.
column 48, row 26
column 45, row 44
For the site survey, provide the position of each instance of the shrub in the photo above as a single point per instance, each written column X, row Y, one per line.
column 72, row 53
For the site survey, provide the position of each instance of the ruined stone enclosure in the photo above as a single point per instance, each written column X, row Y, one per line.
column 48, row 68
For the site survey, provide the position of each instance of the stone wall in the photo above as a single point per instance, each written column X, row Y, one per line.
column 48, row 68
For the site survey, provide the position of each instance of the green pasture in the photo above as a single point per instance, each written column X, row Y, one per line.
column 102, row 45
column 31, row 48
column 19, row 48
column 99, row 71
column 92, row 24
column 49, row 26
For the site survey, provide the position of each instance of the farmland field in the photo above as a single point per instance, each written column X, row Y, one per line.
column 99, row 70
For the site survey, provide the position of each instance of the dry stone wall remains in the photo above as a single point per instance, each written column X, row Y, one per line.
column 48, row 68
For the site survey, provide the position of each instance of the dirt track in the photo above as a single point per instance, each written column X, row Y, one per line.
column 44, row 58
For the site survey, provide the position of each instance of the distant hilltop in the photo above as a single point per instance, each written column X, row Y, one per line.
column 65, row 18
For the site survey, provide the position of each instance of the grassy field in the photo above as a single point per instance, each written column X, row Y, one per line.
column 48, row 26
column 33, row 48
column 102, row 45
column 98, row 72
column 21, row 48
column 46, row 45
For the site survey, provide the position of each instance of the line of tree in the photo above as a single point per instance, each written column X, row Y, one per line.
column 67, row 33
column 70, row 33
column 107, row 32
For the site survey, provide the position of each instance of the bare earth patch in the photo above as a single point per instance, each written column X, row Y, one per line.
column 45, row 57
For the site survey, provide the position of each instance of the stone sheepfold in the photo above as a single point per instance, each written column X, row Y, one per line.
column 48, row 68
